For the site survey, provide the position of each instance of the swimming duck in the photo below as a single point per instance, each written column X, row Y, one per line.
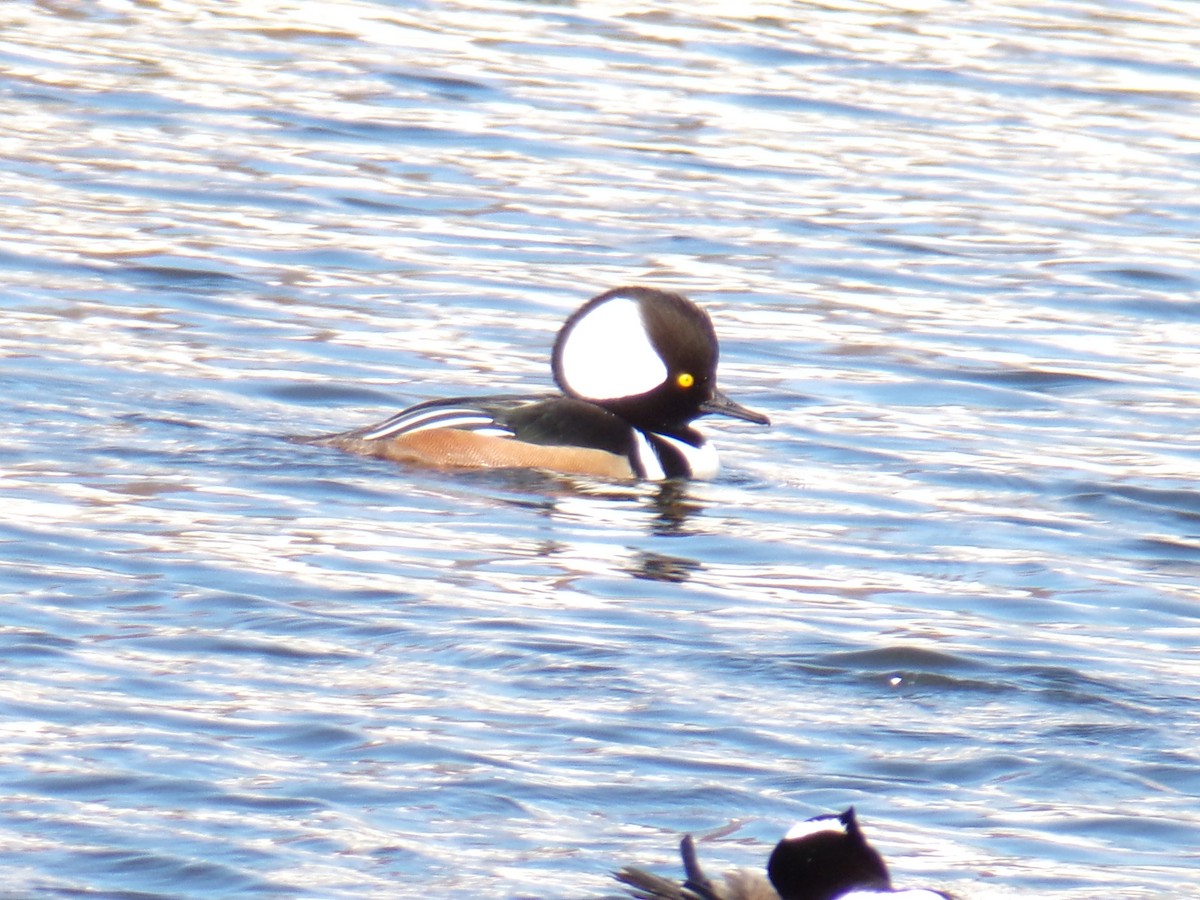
column 824, row 858
column 636, row 366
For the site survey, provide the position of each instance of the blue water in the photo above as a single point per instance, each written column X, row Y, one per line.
column 950, row 249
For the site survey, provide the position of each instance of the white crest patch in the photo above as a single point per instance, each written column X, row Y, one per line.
column 607, row 354
column 815, row 826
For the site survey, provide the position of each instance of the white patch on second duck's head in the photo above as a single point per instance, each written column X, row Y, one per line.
column 607, row 354
column 809, row 827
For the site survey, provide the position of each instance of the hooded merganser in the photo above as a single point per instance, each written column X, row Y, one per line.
column 825, row 858
column 635, row 366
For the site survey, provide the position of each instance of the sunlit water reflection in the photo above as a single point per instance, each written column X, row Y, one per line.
column 950, row 249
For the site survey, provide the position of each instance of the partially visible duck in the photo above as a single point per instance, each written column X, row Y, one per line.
column 824, row 858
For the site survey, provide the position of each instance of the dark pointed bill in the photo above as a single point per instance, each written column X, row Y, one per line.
column 721, row 405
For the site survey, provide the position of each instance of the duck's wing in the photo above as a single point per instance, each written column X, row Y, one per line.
column 648, row 886
column 564, row 422
column 696, row 879
column 459, row 413
column 547, row 420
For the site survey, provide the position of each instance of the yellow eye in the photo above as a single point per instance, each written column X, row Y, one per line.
column 685, row 380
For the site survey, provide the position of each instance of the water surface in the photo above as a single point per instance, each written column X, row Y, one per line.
column 950, row 249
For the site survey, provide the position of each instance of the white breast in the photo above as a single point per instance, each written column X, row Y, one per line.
column 703, row 460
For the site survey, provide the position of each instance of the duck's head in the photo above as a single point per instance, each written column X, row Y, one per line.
column 649, row 356
column 825, row 857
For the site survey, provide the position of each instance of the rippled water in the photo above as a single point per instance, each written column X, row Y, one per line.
column 951, row 250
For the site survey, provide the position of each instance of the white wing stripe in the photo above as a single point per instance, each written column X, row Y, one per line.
column 426, row 419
